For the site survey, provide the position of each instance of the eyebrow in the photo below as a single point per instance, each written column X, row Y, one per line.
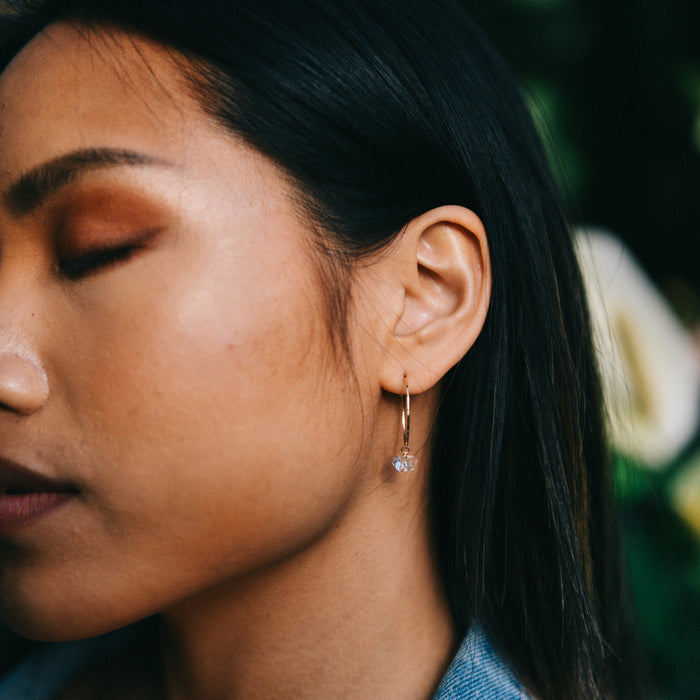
column 32, row 189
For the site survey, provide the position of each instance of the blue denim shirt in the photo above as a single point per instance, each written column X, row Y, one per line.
column 476, row 672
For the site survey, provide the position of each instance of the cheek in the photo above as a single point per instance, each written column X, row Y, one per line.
column 213, row 425
column 215, row 364
column 186, row 337
column 217, row 386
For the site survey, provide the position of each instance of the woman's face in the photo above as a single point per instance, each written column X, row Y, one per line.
column 166, row 358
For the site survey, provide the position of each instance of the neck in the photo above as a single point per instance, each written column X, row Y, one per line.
column 358, row 613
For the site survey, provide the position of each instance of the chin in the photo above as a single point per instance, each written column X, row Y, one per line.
column 39, row 624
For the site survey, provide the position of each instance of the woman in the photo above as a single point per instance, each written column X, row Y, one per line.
column 296, row 365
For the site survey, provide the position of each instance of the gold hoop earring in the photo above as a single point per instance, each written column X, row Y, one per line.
column 405, row 462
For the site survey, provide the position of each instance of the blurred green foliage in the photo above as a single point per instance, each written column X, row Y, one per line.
column 663, row 557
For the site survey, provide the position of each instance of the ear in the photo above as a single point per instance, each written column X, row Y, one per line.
column 440, row 279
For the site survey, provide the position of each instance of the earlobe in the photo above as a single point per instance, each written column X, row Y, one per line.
column 446, row 289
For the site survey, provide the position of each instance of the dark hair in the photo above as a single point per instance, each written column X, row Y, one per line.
column 380, row 110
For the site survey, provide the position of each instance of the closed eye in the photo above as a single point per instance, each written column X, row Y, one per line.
column 85, row 265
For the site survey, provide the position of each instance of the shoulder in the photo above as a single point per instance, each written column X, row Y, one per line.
column 477, row 671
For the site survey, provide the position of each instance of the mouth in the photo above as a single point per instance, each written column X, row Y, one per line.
column 23, row 491
column 26, row 496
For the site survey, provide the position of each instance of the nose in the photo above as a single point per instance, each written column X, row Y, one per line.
column 24, row 387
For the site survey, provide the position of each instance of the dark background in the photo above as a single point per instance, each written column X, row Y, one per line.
column 619, row 83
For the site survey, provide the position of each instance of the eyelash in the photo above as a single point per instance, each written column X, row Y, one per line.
column 85, row 265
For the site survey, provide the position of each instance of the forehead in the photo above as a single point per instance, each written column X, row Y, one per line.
column 73, row 87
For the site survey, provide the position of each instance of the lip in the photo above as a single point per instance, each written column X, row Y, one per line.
column 27, row 496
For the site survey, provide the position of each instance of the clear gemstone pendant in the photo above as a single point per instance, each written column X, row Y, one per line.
column 404, row 463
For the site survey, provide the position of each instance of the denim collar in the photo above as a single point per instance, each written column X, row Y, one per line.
column 478, row 673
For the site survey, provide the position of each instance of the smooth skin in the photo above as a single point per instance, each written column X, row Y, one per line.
column 165, row 351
